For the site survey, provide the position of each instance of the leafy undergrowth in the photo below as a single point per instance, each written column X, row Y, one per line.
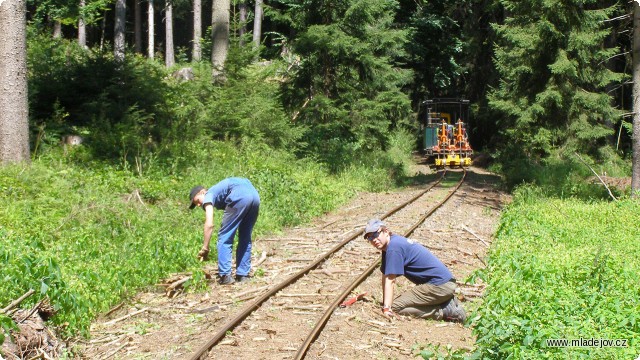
column 87, row 235
column 562, row 269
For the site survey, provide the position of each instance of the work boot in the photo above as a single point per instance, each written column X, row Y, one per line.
column 243, row 278
column 453, row 311
column 225, row 280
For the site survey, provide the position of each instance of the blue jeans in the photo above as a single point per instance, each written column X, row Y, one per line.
column 240, row 215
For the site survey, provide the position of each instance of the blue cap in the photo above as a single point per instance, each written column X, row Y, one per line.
column 372, row 226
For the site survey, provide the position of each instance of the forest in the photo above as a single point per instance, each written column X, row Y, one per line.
column 119, row 106
column 546, row 79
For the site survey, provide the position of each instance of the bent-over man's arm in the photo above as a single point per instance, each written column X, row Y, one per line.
column 208, row 226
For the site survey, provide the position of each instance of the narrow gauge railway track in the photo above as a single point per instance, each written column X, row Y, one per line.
column 311, row 282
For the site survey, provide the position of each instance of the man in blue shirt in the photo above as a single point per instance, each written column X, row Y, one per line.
column 433, row 296
column 241, row 204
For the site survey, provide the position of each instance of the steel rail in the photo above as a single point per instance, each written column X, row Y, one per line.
column 313, row 335
column 260, row 300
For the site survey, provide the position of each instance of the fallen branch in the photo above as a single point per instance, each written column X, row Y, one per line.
column 472, row 287
column 126, row 316
column 598, row 176
column 330, row 223
column 33, row 310
column 175, row 284
column 474, row 234
column 114, row 351
column 285, row 239
column 17, row 301
column 244, row 298
column 455, row 261
column 205, row 310
column 240, row 295
column 304, row 307
column 116, row 308
column 39, row 356
column 263, row 257
column 471, row 294
column 302, row 295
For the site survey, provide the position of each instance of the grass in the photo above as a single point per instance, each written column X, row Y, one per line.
column 561, row 269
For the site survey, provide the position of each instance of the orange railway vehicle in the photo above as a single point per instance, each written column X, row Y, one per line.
column 445, row 135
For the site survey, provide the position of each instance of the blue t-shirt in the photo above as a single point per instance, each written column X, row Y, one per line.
column 406, row 257
column 229, row 191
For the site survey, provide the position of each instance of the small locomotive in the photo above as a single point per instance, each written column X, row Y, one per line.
column 445, row 135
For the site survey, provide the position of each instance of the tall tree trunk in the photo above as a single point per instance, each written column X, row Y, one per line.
column 103, row 29
column 14, row 110
column 82, row 27
column 169, row 58
column 242, row 10
column 635, row 163
column 150, row 20
column 119, row 30
column 137, row 27
column 57, row 29
column 220, row 33
column 609, row 43
column 257, row 24
column 197, row 30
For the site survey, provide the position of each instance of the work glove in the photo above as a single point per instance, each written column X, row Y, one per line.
column 203, row 254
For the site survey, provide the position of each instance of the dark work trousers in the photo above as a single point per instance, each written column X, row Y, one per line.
column 424, row 301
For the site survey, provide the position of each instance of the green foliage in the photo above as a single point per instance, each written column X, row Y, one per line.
column 81, row 238
column 552, row 91
column 243, row 108
column 67, row 12
column 437, row 352
column 119, row 108
column 435, row 48
column 135, row 109
column 346, row 86
column 561, row 269
column 7, row 325
column 77, row 233
column 565, row 175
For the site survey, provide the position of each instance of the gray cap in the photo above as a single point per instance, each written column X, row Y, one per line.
column 372, row 226
column 193, row 194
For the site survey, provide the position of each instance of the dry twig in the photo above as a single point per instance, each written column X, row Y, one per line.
column 598, row 176
column 17, row 301
column 263, row 257
column 114, row 309
column 126, row 316
column 474, row 234
column 175, row 284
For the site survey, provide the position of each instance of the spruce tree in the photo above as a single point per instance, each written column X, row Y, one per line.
column 347, row 83
column 551, row 61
